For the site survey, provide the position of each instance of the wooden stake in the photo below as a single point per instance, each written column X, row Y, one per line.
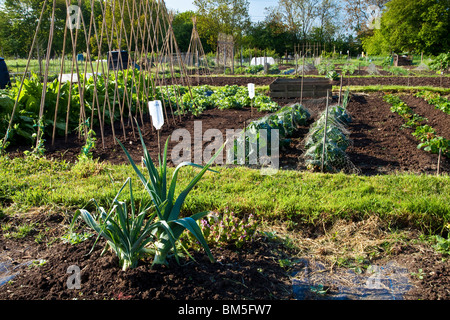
column 303, row 76
column 44, row 87
column 325, row 132
column 159, row 144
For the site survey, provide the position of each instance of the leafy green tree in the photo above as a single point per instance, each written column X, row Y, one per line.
column 358, row 13
column 272, row 34
column 182, row 28
column 226, row 16
column 412, row 26
column 297, row 15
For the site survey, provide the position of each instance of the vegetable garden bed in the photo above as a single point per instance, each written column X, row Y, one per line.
column 259, row 269
column 379, row 144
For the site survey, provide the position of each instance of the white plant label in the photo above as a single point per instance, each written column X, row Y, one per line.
column 155, row 109
column 251, row 90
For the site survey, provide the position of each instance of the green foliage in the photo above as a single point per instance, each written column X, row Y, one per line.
column 124, row 229
column 348, row 69
column 17, row 232
column 442, row 244
column 89, row 134
column 38, row 148
column 441, row 62
column 216, row 16
column 332, row 75
column 254, row 69
column 29, row 101
column 273, row 69
column 420, row 201
column 240, row 70
column 407, row 26
column 398, row 106
column 396, row 71
column 226, row 97
column 325, row 67
column 249, row 52
column 183, row 100
column 86, row 167
column 75, row 238
column 424, row 133
column 387, row 61
column 224, row 229
column 435, row 99
column 169, row 226
column 286, row 121
column 336, row 142
column 435, row 144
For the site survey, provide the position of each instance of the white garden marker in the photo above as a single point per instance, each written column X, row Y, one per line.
column 155, row 109
column 251, row 94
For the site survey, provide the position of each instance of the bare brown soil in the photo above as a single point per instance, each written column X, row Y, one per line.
column 381, row 145
column 253, row 272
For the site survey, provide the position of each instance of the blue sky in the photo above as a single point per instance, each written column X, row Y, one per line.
column 256, row 9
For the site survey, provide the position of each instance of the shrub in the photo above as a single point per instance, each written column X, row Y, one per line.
column 441, row 62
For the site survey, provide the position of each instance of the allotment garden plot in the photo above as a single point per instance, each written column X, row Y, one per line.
column 380, row 140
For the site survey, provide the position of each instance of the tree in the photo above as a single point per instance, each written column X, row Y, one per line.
column 299, row 15
column 272, row 34
column 182, row 27
column 413, row 26
column 360, row 12
column 327, row 16
column 19, row 19
column 226, row 16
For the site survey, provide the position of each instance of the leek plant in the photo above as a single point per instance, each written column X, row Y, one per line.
column 123, row 229
column 169, row 225
column 126, row 231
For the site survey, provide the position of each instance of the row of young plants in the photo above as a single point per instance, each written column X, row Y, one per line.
column 130, row 92
column 328, row 139
column 285, row 121
column 435, row 99
column 329, row 70
column 257, row 69
column 426, row 134
column 201, row 98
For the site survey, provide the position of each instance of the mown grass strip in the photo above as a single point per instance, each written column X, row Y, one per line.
column 302, row 197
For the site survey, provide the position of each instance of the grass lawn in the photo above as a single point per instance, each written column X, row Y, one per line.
column 296, row 198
